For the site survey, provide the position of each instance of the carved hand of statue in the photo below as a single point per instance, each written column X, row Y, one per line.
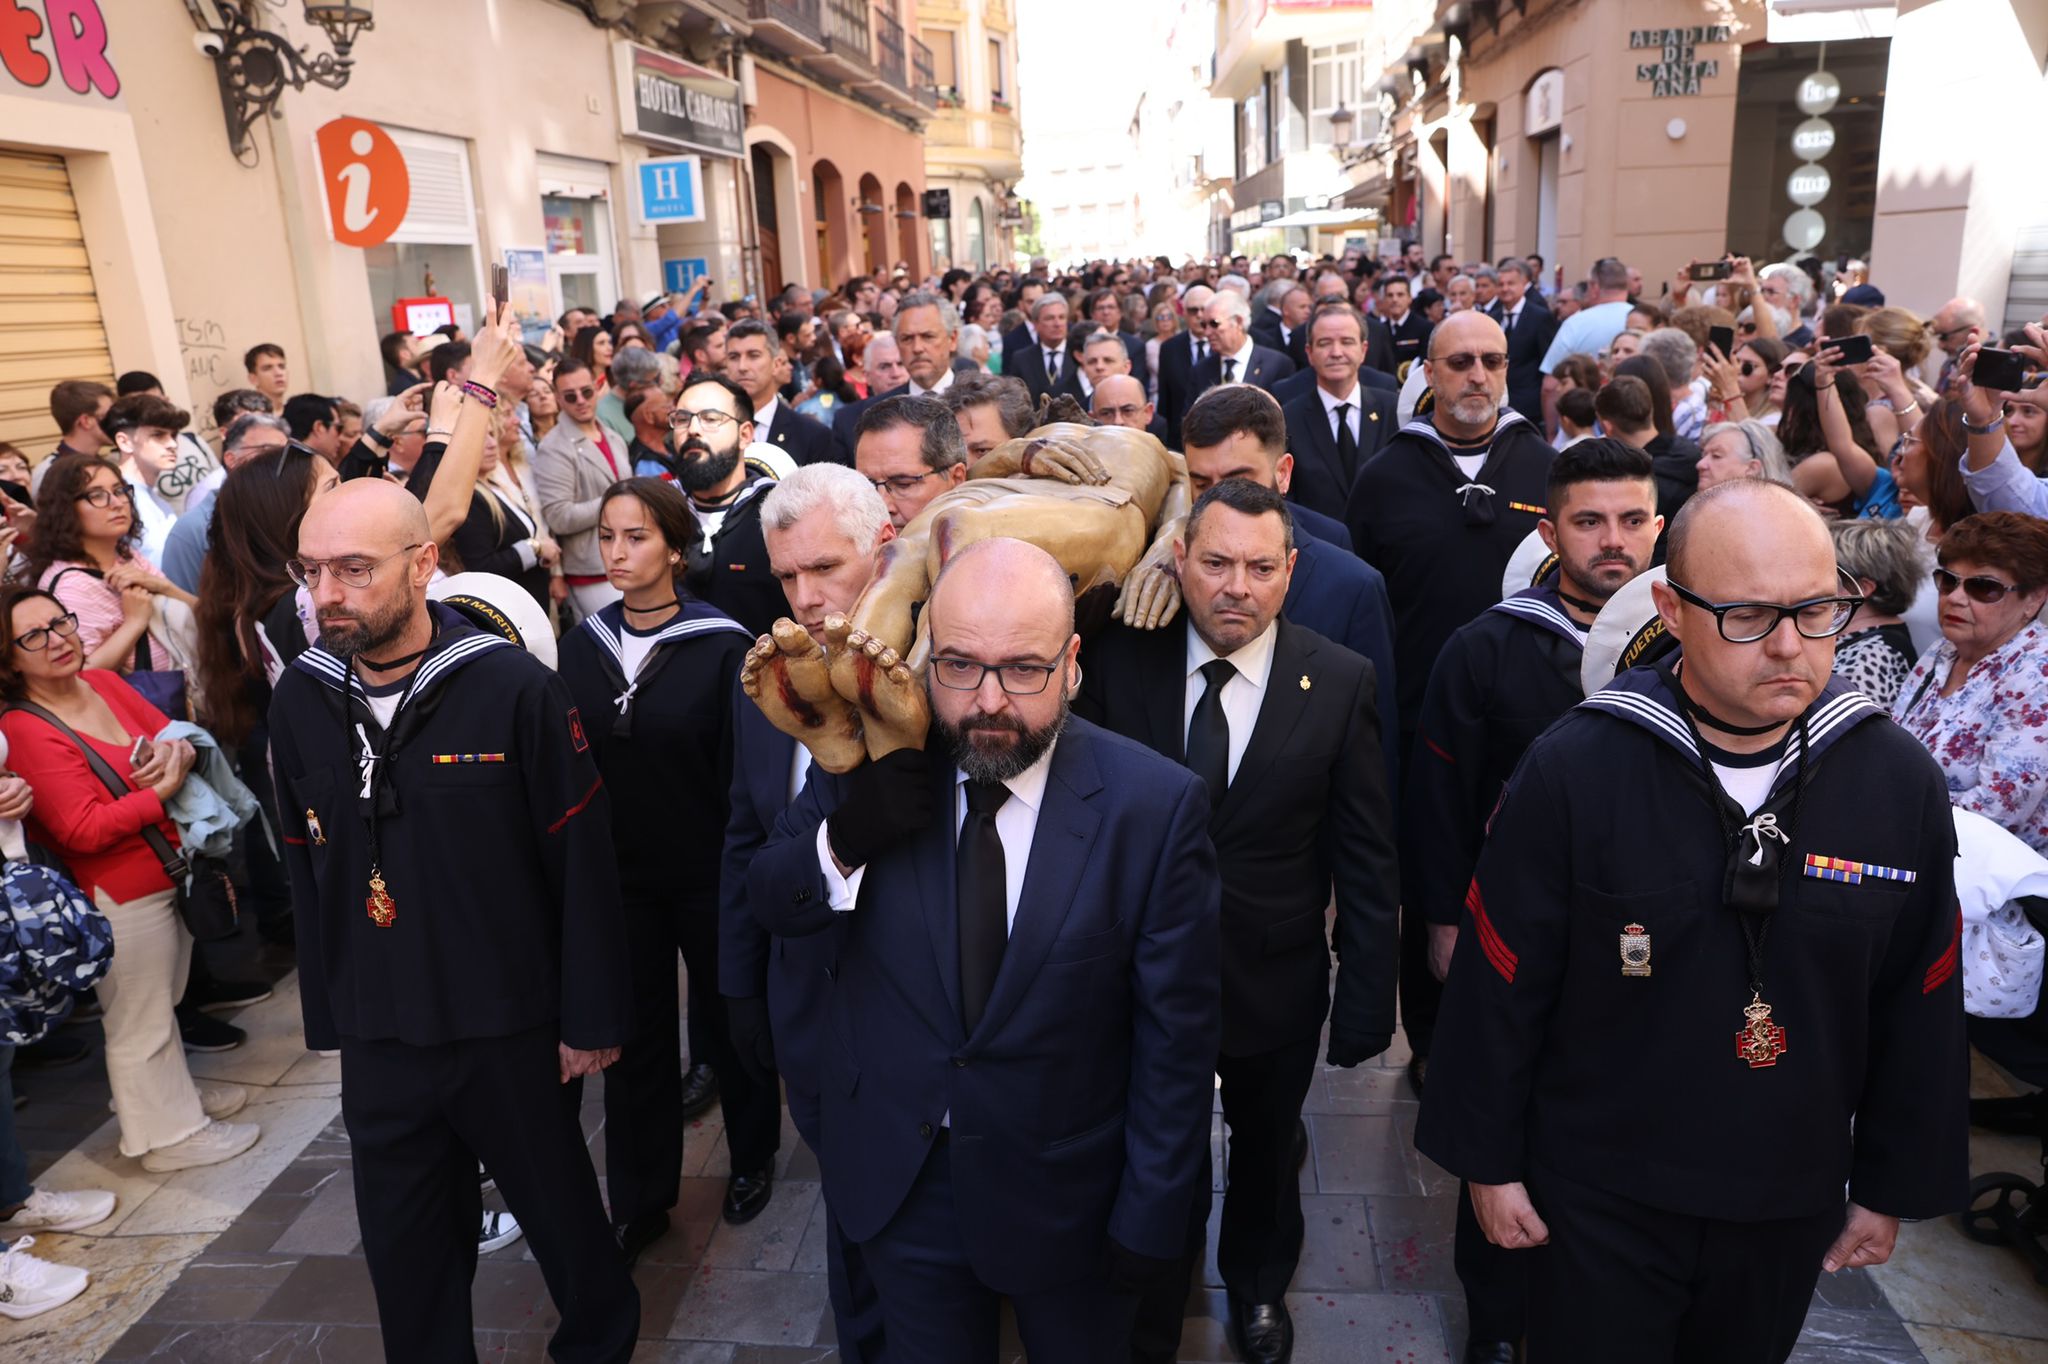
column 1066, row 460
column 883, row 690
column 1151, row 593
column 787, row 676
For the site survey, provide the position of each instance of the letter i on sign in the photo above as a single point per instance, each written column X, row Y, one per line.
column 365, row 179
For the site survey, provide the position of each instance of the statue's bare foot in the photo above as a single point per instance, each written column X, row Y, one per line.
column 786, row 675
column 888, row 694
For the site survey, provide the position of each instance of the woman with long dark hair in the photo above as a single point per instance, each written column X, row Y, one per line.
column 85, row 555
column 1827, row 437
column 653, row 678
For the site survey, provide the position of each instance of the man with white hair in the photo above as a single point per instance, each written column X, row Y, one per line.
column 1788, row 287
column 1237, row 358
column 1045, row 366
column 824, row 524
column 887, row 378
column 1178, row 356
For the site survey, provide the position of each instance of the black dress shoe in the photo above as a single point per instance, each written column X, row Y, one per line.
column 700, row 1091
column 1418, row 1071
column 1263, row 1332
column 204, row 1032
column 640, row 1233
column 1492, row 1352
column 746, row 1195
column 224, row 996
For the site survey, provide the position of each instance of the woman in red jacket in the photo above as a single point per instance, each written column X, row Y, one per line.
column 165, row 1119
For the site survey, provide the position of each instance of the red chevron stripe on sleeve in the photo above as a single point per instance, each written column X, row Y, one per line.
column 1945, row 964
column 1504, row 961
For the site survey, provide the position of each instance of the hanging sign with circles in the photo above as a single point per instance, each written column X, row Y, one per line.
column 1813, row 139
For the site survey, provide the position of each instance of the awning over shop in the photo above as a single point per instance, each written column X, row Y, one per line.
column 1323, row 217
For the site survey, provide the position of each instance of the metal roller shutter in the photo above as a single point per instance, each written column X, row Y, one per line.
column 2026, row 298
column 50, row 326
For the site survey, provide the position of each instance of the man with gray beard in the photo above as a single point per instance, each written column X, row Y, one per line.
column 1020, row 1035
column 709, row 431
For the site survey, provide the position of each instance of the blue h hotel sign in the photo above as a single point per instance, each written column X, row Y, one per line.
column 671, row 190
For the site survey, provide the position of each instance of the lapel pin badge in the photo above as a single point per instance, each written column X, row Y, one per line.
column 313, row 827
column 1635, row 950
column 1304, row 682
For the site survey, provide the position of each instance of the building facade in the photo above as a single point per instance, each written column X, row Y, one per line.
column 603, row 150
column 974, row 145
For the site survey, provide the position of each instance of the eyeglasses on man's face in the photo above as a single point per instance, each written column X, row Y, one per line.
column 902, row 483
column 1746, row 622
column 577, row 395
column 1125, row 415
column 350, row 571
column 712, row 419
column 38, row 639
column 1494, row 360
column 1018, row 679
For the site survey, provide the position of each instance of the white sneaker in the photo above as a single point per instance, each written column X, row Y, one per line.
column 222, row 1101
column 48, row 1210
column 30, row 1287
column 210, row 1145
column 499, row 1229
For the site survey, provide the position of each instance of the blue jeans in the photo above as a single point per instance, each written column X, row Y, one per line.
column 14, row 1185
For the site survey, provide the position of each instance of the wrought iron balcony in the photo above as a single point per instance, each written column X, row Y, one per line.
column 791, row 26
column 923, row 84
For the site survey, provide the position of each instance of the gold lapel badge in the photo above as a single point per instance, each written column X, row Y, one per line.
column 1635, row 950
column 1304, row 682
column 313, row 827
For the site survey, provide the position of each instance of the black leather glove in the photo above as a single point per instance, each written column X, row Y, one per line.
column 1126, row 1271
column 887, row 800
column 747, row 1022
column 1348, row 1050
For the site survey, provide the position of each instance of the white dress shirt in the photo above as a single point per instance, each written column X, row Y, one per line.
column 764, row 417
column 1243, row 359
column 1351, row 418
column 1242, row 694
column 1508, row 315
column 945, row 382
column 1016, row 824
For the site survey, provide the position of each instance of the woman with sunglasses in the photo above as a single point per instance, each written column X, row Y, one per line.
column 85, row 554
column 1979, row 699
column 167, row 1121
column 1740, row 385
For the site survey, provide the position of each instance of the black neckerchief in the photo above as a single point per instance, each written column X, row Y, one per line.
column 376, row 798
column 1475, row 497
column 1579, row 604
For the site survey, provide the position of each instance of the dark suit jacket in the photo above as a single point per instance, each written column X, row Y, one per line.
column 846, row 419
column 1527, row 344
column 793, row 973
column 808, row 441
column 1308, row 806
column 1141, row 368
column 1303, row 380
column 1344, row 599
column 1265, row 368
column 1176, row 372
column 1080, row 1104
column 1266, row 331
column 1398, row 345
column 1028, row 366
column 1016, row 340
column 1321, row 480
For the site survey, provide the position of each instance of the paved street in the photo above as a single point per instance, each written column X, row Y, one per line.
column 260, row 1258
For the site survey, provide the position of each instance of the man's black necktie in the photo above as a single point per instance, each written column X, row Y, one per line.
column 1052, row 365
column 1347, row 444
column 1201, row 352
column 984, row 902
column 1230, row 369
column 1209, row 731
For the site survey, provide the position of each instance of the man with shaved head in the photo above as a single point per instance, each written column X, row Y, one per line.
column 1703, row 1034
column 1119, row 400
column 1439, row 511
column 467, row 994
column 1024, row 1014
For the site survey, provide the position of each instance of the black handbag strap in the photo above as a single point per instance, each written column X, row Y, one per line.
column 144, row 660
column 173, row 862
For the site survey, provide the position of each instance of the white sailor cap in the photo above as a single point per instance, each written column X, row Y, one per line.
column 1627, row 633
column 500, row 606
column 1529, row 565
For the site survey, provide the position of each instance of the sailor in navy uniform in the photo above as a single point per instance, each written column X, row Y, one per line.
column 1705, row 983
column 653, row 675
column 1499, row 683
column 460, row 934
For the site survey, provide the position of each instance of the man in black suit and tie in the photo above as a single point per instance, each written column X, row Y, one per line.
column 1281, row 725
column 1105, row 310
column 1340, row 423
column 1025, row 1009
column 750, row 353
column 1044, row 365
column 1406, row 331
column 1281, row 324
column 1236, row 358
column 1024, row 336
column 1178, row 356
column 1529, row 327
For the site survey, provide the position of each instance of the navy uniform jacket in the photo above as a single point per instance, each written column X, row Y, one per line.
column 1443, row 540
column 508, row 912
column 1080, row 1105
column 663, row 740
column 1548, row 1058
column 791, row 972
column 1498, row 684
column 1307, row 811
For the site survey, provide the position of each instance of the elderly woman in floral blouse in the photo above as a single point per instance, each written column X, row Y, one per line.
column 1979, row 699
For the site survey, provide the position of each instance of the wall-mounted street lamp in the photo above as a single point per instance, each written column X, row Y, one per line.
column 254, row 64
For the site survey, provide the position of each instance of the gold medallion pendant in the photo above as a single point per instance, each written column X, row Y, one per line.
column 1761, row 1042
column 383, row 909
column 1635, row 950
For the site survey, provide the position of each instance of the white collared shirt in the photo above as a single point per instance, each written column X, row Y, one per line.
column 1016, row 825
column 1242, row 694
column 1351, row 418
column 764, row 417
column 1508, row 315
column 1243, row 358
column 945, row 382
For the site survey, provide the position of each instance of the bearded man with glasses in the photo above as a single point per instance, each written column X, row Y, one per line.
column 1439, row 512
column 1703, row 1032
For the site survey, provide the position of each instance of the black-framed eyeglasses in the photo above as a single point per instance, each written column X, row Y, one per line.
column 38, row 639
column 1018, row 679
column 1494, row 360
column 1747, row 622
column 1125, row 415
column 349, row 572
column 1982, row 587
column 104, row 497
column 576, row 395
column 714, row 420
column 902, row 483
